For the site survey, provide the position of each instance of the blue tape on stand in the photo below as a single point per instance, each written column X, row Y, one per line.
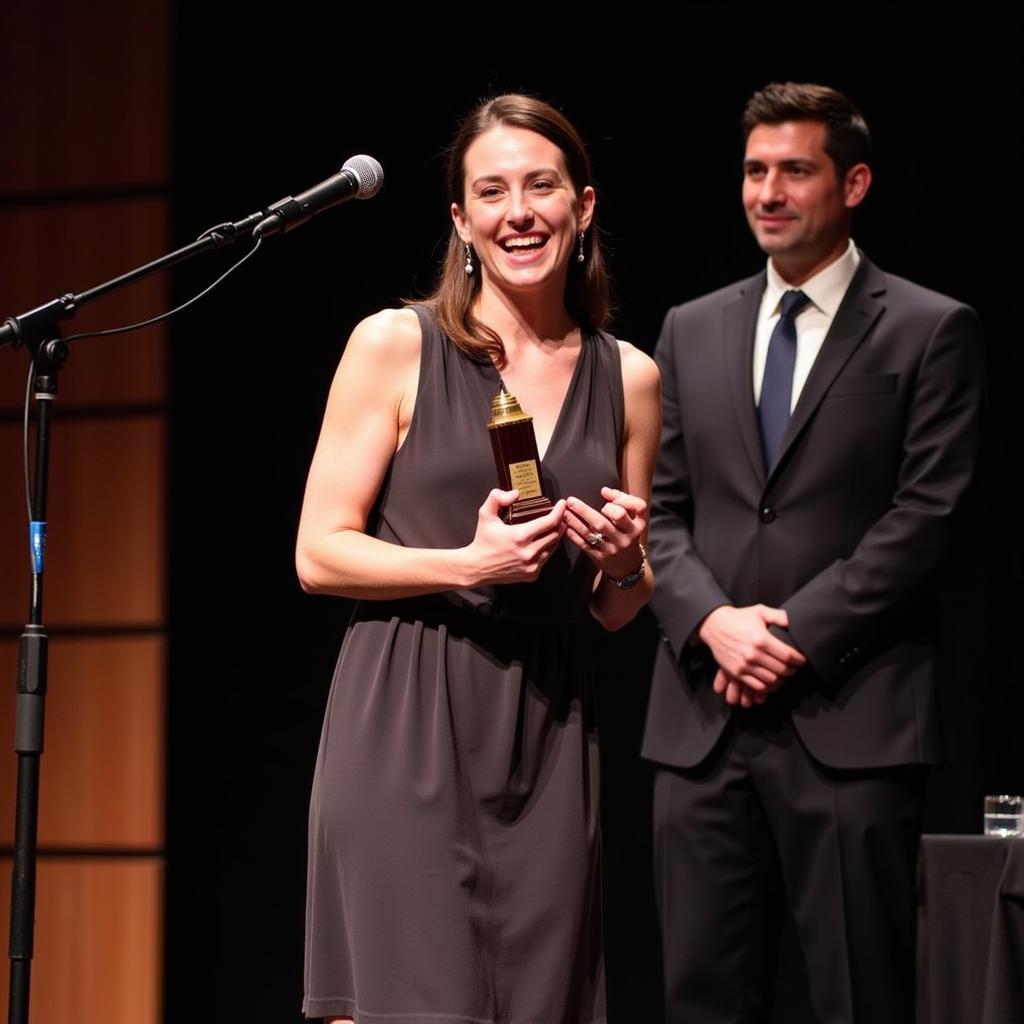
column 38, row 534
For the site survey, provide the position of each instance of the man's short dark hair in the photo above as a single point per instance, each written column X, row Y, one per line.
column 847, row 139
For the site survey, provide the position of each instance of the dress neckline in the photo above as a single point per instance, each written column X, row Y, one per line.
column 556, row 430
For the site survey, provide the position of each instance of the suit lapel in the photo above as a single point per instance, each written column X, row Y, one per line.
column 860, row 308
column 739, row 321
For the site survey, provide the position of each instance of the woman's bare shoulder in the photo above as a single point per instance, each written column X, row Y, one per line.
column 387, row 337
column 639, row 371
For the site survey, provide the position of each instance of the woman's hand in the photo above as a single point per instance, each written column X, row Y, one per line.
column 500, row 553
column 611, row 537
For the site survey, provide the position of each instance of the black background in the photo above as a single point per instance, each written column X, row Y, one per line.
column 262, row 110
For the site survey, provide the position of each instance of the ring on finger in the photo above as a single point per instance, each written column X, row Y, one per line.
column 593, row 539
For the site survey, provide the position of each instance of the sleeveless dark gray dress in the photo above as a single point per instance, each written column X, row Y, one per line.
column 453, row 833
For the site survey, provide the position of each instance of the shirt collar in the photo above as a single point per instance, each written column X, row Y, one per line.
column 825, row 289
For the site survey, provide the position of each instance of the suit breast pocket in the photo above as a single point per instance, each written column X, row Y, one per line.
column 873, row 384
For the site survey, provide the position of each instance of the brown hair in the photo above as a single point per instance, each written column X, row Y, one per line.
column 587, row 293
column 847, row 139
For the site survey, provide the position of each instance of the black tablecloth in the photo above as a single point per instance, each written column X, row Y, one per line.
column 970, row 941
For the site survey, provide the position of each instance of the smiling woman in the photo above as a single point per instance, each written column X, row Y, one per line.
column 517, row 119
column 453, row 871
column 521, row 214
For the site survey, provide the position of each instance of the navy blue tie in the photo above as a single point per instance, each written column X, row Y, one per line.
column 777, row 384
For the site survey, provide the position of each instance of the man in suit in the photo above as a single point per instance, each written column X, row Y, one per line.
column 819, row 433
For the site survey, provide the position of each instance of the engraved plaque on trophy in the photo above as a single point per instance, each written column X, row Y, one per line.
column 515, row 455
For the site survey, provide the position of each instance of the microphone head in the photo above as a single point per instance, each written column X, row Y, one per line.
column 368, row 173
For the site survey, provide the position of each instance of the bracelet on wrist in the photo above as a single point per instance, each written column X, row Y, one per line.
column 629, row 581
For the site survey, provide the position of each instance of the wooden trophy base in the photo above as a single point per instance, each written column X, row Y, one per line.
column 527, row 509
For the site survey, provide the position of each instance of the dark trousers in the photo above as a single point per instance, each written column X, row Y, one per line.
column 760, row 821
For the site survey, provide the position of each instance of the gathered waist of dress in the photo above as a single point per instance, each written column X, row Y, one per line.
column 451, row 609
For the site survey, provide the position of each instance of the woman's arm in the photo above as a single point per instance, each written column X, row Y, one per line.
column 369, row 411
column 622, row 520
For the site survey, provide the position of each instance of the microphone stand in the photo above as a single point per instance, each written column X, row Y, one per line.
column 39, row 331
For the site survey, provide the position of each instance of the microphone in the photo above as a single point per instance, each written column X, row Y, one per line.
column 360, row 178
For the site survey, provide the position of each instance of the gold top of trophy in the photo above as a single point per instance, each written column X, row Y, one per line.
column 505, row 408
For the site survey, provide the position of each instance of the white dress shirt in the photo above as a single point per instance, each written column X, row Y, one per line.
column 825, row 290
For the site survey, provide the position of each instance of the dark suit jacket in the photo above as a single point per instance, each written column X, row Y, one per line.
column 846, row 531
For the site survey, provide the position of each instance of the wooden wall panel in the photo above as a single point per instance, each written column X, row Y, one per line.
column 86, row 97
column 84, row 191
column 105, row 547
column 98, row 940
column 102, row 776
column 14, row 563
column 70, row 248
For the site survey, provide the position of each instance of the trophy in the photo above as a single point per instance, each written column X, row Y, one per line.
column 515, row 454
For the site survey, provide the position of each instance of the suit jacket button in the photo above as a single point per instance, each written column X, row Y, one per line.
column 767, row 514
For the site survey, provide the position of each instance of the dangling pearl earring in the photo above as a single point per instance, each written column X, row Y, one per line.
column 580, row 258
column 469, row 260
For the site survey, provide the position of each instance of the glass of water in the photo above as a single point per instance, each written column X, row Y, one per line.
column 1003, row 815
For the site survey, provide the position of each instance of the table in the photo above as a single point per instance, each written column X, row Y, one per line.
column 970, row 937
